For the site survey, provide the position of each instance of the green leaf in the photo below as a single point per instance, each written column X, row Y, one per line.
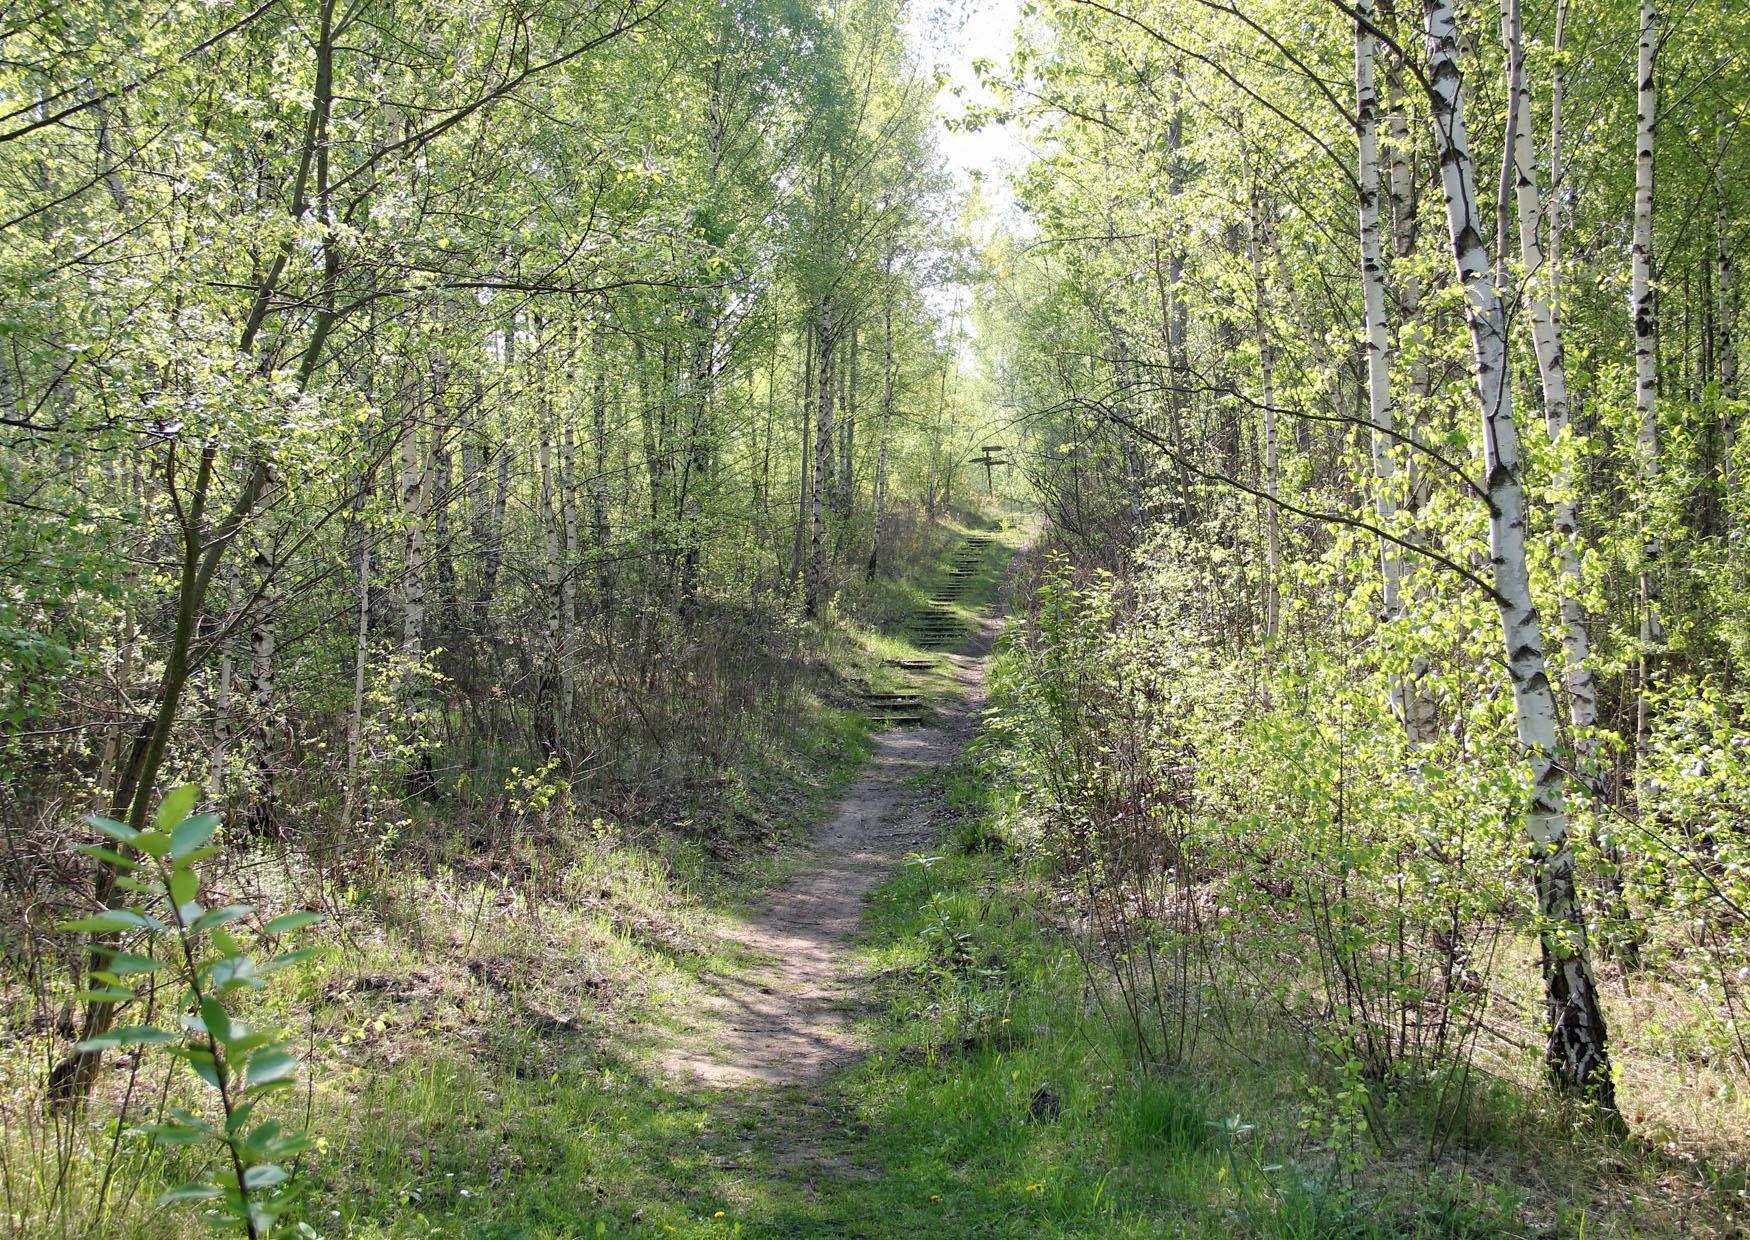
column 190, row 1192
column 228, row 946
column 110, row 855
column 124, row 964
column 242, row 1041
column 174, row 1134
column 216, row 1019
column 265, row 1067
column 215, row 917
column 175, row 806
column 263, row 1136
column 153, row 843
column 201, row 1061
column 110, row 827
column 291, row 921
column 265, row 1176
column 107, row 994
column 285, row 959
column 191, row 833
column 184, row 886
column 232, row 972
column 126, row 1035
column 112, row 919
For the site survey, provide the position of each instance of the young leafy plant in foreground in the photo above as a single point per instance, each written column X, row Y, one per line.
column 171, row 937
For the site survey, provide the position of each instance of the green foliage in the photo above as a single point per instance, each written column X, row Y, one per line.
column 166, row 940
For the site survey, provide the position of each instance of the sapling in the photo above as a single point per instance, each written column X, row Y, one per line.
column 177, row 940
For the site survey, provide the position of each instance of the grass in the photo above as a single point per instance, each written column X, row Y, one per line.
column 483, row 1054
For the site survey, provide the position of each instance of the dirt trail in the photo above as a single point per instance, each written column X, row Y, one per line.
column 784, row 1018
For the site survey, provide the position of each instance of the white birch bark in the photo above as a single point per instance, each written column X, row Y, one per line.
column 552, row 569
column 1641, row 299
column 263, row 693
column 804, row 471
column 492, row 550
column 1577, row 1050
column 1543, row 317
column 598, row 491
column 360, row 666
column 1267, row 394
column 568, row 507
column 412, row 495
column 886, row 421
column 1408, row 702
column 848, row 426
column 823, row 462
column 222, row 725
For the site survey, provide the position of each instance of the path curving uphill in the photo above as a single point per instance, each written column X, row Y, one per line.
column 784, row 1017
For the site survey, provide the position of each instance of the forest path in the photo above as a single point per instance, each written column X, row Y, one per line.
column 784, row 1015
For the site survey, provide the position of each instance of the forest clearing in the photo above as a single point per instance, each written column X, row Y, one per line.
column 838, row 618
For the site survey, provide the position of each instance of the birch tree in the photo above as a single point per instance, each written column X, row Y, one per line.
column 1577, row 1052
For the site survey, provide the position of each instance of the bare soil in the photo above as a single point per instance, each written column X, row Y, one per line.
column 784, row 1017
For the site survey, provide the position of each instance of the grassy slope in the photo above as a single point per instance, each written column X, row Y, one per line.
column 491, row 1071
column 484, row 1064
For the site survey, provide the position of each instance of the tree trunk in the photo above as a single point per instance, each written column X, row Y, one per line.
column 803, row 472
column 493, row 550
column 598, row 491
column 1543, row 316
column 415, row 499
column 881, row 446
column 1641, row 298
column 1267, row 397
column 262, row 817
column 1577, row 1051
column 355, row 720
column 1408, row 701
column 823, row 463
column 550, row 706
column 848, row 427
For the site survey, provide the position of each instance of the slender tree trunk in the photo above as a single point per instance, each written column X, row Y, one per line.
column 263, row 817
column 355, row 720
column 1577, row 1052
column 1543, row 315
column 803, row 472
column 551, row 719
column 881, row 446
column 493, row 541
column 474, row 499
column 848, row 426
column 413, row 502
column 70, row 1079
column 569, row 505
column 1261, row 211
column 598, row 492
column 823, row 463
column 415, row 499
column 1177, row 312
column 443, row 559
column 1401, row 189
column 1642, row 301
column 1408, row 701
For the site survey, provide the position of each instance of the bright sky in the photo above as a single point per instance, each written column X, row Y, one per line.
column 949, row 35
